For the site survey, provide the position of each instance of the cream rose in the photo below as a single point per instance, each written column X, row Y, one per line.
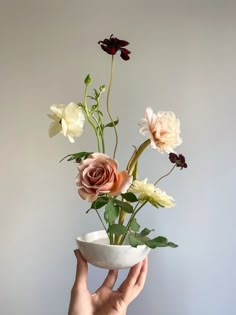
column 67, row 119
column 163, row 129
column 98, row 175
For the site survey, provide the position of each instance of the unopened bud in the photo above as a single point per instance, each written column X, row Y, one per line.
column 102, row 88
column 87, row 80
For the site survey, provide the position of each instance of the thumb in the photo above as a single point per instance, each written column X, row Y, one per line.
column 81, row 271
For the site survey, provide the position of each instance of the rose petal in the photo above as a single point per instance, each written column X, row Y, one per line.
column 123, row 181
column 54, row 129
column 87, row 196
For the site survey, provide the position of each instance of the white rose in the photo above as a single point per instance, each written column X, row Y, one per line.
column 67, row 119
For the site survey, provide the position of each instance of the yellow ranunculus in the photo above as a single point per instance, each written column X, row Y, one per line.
column 148, row 192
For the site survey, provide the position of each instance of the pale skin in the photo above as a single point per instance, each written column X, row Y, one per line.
column 105, row 300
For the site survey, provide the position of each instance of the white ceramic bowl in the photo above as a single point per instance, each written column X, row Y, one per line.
column 96, row 249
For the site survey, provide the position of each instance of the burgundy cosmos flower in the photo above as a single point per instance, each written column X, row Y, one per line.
column 113, row 44
column 178, row 160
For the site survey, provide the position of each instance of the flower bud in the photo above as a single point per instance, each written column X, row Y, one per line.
column 102, row 88
column 88, row 80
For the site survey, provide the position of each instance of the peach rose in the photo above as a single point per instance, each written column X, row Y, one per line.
column 98, row 175
column 163, row 129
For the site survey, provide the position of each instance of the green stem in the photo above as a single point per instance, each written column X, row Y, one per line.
column 100, row 218
column 88, row 117
column 111, row 238
column 100, row 133
column 134, row 158
column 130, row 221
column 108, row 108
column 103, row 145
column 165, row 175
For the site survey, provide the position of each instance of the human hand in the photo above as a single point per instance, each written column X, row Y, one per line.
column 105, row 301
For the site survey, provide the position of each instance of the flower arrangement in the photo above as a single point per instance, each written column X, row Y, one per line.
column 118, row 196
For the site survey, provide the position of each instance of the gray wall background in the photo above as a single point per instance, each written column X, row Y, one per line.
column 183, row 59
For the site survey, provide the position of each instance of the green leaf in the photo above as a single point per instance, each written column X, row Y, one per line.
column 99, row 202
column 91, row 97
column 124, row 206
column 96, row 93
column 159, row 241
column 145, row 232
column 117, row 229
column 129, row 196
column 111, row 124
column 75, row 156
column 134, row 226
column 172, row 245
column 111, row 212
column 134, row 241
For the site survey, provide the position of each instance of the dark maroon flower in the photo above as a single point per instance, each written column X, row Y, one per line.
column 113, row 44
column 179, row 160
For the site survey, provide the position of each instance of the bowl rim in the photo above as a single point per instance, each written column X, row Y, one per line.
column 106, row 245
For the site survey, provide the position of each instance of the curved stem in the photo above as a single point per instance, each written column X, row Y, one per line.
column 91, row 123
column 108, row 108
column 134, row 158
column 165, row 175
column 131, row 167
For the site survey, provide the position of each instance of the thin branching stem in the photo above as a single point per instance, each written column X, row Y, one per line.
column 165, row 175
column 88, row 117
